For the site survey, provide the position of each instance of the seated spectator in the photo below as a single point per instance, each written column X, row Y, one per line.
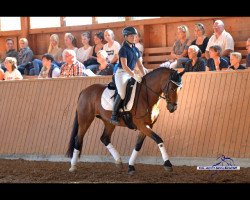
column 49, row 69
column 201, row 39
column 10, row 51
column 221, row 38
column 112, row 47
column 138, row 43
column 54, row 50
column 11, row 69
column 248, row 53
column 84, row 52
column 70, row 43
column 235, row 58
column 105, row 67
column 141, row 49
column 180, row 48
column 195, row 63
column 71, row 67
column 91, row 63
column 216, row 62
column 1, row 74
column 25, row 56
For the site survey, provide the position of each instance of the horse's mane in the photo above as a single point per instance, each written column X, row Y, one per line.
column 175, row 76
column 160, row 69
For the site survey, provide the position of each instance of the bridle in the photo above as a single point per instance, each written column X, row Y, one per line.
column 165, row 92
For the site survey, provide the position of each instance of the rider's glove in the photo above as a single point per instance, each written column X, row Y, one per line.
column 137, row 78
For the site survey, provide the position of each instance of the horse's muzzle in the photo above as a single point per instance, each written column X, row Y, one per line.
column 171, row 107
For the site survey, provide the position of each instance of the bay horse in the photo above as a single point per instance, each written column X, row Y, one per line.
column 160, row 81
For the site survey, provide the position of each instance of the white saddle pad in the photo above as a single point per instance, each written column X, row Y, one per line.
column 107, row 102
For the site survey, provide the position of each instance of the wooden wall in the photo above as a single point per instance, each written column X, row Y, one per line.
column 155, row 32
column 213, row 118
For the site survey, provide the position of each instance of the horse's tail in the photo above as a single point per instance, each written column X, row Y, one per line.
column 72, row 137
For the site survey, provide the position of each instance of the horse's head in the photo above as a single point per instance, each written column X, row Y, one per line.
column 173, row 85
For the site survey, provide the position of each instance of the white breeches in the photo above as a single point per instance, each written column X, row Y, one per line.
column 121, row 80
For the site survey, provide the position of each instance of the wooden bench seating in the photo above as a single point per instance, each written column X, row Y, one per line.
column 153, row 57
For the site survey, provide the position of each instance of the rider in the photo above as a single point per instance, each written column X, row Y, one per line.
column 128, row 58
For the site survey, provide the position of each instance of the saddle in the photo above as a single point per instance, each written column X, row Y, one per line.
column 126, row 115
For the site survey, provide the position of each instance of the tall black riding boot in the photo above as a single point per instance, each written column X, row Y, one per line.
column 114, row 118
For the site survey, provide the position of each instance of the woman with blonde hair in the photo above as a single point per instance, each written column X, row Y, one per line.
column 53, row 50
column 179, row 53
column 12, row 73
column 201, row 39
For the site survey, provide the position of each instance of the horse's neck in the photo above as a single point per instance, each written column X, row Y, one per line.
column 157, row 80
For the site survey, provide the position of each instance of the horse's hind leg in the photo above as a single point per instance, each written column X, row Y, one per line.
column 106, row 140
column 149, row 132
column 85, row 122
column 140, row 139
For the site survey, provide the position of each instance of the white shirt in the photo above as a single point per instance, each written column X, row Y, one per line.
column 140, row 47
column 83, row 54
column 225, row 41
column 113, row 50
column 12, row 75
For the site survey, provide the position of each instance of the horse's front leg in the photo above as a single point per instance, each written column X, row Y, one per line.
column 106, row 140
column 150, row 133
column 140, row 139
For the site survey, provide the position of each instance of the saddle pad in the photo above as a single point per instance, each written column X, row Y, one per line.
column 107, row 102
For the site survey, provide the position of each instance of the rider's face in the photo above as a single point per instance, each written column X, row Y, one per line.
column 131, row 38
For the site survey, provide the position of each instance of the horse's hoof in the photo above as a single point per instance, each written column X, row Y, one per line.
column 168, row 166
column 168, row 169
column 131, row 170
column 118, row 163
column 72, row 168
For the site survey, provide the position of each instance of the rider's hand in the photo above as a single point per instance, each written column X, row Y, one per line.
column 137, row 78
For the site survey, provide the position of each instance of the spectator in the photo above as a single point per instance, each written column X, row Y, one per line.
column 221, row 38
column 180, row 48
column 84, row 52
column 49, row 69
column 235, row 58
column 216, row 62
column 54, row 50
column 91, row 63
column 10, row 51
column 12, row 73
column 70, row 42
column 195, row 63
column 1, row 74
column 248, row 53
column 201, row 39
column 112, row 47
column 25, row 56
column 71, row 67
column 138, row 43
column 105, row 67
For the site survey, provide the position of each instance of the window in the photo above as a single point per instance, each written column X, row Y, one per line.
column 44, row 22
column 10, row 23
column 74, row 21
column 141, row 18
column 109, row 19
